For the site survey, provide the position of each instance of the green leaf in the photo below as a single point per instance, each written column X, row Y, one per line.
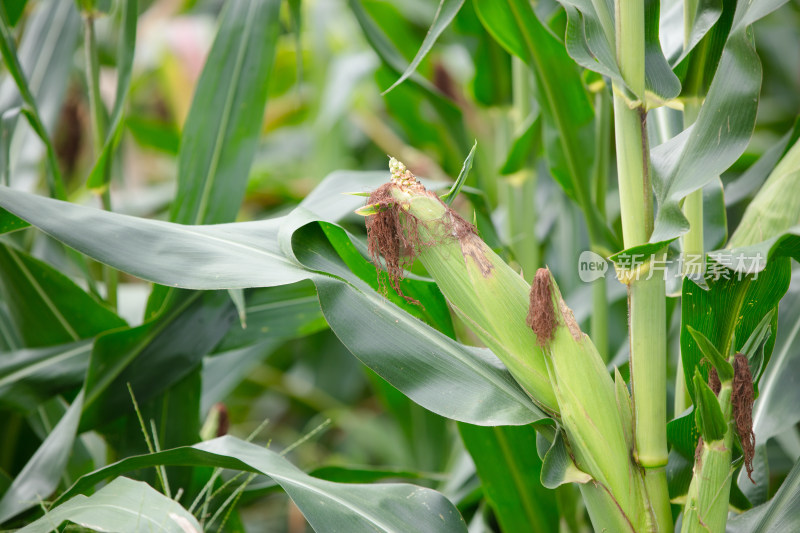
column 449, row 113
column 776, row 407
column 751, row 180
column 285, row 312
column 558, row 467
column 715, row 217
column 101, row 173
column 55, row 17
column 723, row 367
column 781, row 513
column 672, row 28
column 753, row 348
column 31, row 376
column 730, row 308
column 13, row 11
column 47, row 307
column 509, row 473
column 159, row 135
column 193, row 257
column 445, row 13
column 123, row 505
column 45, row 53
column 462, row 177
column 702, row 152
column 775, row 209
column 221, row 131
column 591, row 43
column 326, row 505
column 682, row 434
column 154, row 356
column 566, row 110
column 707, row 412
column 224, row 370
column 415, row 358
column 9, row 222
column 41, row 474
column 526, row 144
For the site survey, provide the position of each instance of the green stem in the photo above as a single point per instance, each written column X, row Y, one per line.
column 693, row 246
column 98, row 119
column 599, row 322
column 31, row 111
column 520, row 189
column 646, row 293
column 682, row 398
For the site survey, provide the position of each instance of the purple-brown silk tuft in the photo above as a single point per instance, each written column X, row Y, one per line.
column 393, row 233
column 541, row 315
column 386, row 237
column 713, row 381
column 742, row 398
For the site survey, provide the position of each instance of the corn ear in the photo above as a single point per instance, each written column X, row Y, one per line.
column 595, row 412
column 706, row 506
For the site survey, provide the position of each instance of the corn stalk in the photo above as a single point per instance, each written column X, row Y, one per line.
column 646, row 290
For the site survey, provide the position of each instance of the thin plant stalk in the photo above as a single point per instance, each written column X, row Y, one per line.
column 98, row 118
column 55, row 181
column 520, row 188
column 647, row 292
column 599, row 321
column 693, row 245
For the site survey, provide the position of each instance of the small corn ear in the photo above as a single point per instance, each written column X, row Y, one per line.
column 597, row 428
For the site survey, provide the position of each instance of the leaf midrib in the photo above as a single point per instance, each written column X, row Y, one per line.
column 43, row 295
column 223, row 129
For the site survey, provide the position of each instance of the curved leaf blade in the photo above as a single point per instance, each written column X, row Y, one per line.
column 445, row 13
column 124, row 505
column 221, row 132
column 29, row 377
column 263, row 254
column 101, row 173
column 389, row 507
column 41, row 474
column 781, row 513
column 47, row 307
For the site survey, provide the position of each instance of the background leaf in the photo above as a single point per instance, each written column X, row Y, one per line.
column 123, row 505
column 327, row 505
column 509, row 471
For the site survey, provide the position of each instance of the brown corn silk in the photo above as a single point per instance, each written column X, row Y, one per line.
column 713, row 381
column 541, row 315
column 742, row 398
column 393, row 232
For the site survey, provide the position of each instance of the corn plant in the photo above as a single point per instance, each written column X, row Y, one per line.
column 557, row 329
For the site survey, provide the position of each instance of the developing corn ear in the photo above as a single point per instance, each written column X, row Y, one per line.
column 592, row 411
column 533, row 333
column 490, row 297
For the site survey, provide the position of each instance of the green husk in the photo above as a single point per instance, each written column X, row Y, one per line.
column 484, row 291
column 595, row 412
column 706, row 508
